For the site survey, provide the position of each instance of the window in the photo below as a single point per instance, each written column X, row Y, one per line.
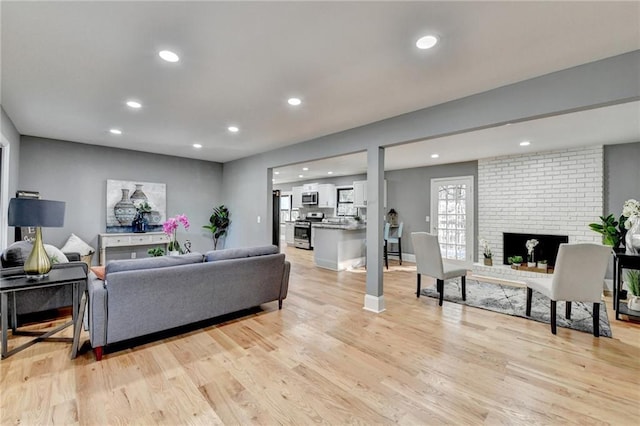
column 345, row 202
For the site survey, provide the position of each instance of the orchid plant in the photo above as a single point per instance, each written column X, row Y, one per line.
column 531, row 244
column 630, row 209
column 486, row 249
column 170, row 227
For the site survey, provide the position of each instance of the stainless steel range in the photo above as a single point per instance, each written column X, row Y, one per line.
column 302, row 230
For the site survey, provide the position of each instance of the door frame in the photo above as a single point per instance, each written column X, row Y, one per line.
column 4, row 191
column 470, row 212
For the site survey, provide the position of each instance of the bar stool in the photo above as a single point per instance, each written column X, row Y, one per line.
column 394, row 239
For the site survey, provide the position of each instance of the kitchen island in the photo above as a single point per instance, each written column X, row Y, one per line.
column 339, row 246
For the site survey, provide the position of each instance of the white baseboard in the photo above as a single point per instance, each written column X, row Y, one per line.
column 373, row 303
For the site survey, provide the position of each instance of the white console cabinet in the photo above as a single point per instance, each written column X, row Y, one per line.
column 130, row 240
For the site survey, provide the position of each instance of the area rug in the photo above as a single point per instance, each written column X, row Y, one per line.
column 512, row 301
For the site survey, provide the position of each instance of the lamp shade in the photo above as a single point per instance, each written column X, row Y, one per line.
column 35, row 212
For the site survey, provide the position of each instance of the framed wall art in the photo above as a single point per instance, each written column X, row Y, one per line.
column 128, row 200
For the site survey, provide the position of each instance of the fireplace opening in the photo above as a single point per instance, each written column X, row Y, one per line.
column 547, row 248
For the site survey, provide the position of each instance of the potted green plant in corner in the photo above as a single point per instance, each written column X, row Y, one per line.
column 218, row 224
column 633, row 282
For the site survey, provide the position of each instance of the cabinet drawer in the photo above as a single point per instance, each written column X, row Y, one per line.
column 117, row 241
column 141, row 239
column 160, row 238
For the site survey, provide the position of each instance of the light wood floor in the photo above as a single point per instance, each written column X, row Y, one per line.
column 323, row 359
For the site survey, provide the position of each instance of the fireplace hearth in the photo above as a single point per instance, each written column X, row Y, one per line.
column 547, row 248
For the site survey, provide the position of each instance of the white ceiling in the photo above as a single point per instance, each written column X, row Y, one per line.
column 68, row 67
column 602, row 126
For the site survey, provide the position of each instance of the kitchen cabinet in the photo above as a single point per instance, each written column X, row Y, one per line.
column 310, row 187
column 289, row 233
column 327, row 195
column 360, row 194
column 296, row 201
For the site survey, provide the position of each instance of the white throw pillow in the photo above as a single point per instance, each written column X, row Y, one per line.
column 55, row 254
column 75, row 245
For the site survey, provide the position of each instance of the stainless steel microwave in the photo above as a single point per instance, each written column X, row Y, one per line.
column 309, row 198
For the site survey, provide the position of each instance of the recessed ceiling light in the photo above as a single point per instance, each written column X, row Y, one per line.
column 233, row 129
column 329, row 173
column 294, row 101
column 300, row 175
column 169, row 56
column 427, row 42
column 197, row 145
column 134, row 104
column 304, row 169
column 525, row 143
column 116, row 131
column 276, row 173
column 435, row 155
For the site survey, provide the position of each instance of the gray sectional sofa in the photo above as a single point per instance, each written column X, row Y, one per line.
column 143, row 296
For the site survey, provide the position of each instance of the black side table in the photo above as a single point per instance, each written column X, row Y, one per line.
column 11, row 282
column 623, row 261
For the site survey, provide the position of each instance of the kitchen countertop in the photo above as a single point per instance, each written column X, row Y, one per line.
column 344, row 226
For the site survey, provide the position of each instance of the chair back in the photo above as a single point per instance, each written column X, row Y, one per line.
column 579, row 272
column 427, row 251
column 386, row 230
column 394, row 239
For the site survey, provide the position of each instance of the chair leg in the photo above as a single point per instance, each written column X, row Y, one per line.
column 553, row 317
column 568, row 310
column 596, row 319
column 440, row 284
column 418, row 286
column 528, row 309
column 386, row 258
column 400, row 249
column 463, row 280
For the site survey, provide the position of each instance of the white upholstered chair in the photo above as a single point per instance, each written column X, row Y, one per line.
column 429, row 262
column 578, row 276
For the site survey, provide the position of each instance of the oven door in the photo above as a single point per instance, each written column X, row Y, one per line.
column 302, row 236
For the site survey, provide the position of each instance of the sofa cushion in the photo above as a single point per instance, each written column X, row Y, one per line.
column 76, row 245
column 237, row 253
column 99, row 271
column 18, row 253
column 152, row 262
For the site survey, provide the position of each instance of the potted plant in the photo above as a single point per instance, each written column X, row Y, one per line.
column 515, row 260
column 486, row 252
column 218, row 224
column 633, row 282
column 155, row 252
column 609, row 229
column 170, row 227
column 542, row 264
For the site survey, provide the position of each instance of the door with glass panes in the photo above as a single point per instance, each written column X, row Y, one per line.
column 452, row 210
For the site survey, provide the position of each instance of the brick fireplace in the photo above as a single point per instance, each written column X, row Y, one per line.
column 552, row 193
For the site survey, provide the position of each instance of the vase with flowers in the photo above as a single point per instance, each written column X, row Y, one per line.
column 170, row 227
column 631, row 216
column 531, row 244
column 486, row 252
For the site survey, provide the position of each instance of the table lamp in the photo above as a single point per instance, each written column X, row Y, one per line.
column 38, row 213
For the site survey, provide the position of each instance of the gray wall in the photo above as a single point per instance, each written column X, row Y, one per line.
column 77, row 173
column 409, row 193
column 609, row 81
column 621, row 176
column 10, row 133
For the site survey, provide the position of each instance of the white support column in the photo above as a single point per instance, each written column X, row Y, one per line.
column 374, row 299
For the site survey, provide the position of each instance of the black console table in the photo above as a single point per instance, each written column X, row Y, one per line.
column 623, row 261
column 13, row 280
